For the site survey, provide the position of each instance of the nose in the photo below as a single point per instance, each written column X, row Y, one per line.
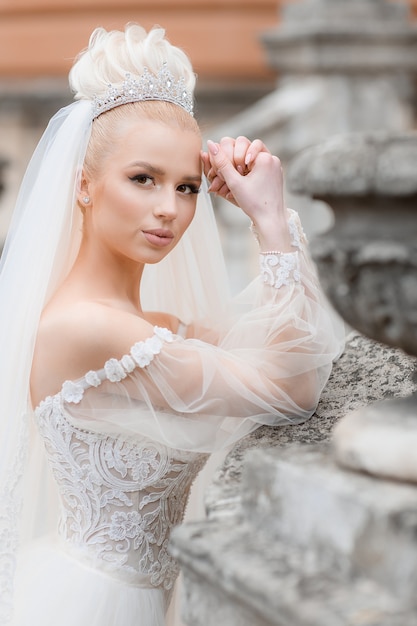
column 166, row 204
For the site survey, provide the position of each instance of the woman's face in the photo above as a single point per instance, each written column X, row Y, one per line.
column 145, row 193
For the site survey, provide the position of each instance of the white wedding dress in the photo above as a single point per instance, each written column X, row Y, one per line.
column 126, row 442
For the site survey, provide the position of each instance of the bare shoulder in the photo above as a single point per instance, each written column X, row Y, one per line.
column 91, row 326
column 82, row 337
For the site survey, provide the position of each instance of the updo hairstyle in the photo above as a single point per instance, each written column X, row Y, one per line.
column 109, row 57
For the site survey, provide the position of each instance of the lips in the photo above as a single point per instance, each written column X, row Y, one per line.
column 159, row 237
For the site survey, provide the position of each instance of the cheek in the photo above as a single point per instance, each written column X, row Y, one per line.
column 118, row 207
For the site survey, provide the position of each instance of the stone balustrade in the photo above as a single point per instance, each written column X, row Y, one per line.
column 316, row 525
column 290, row 538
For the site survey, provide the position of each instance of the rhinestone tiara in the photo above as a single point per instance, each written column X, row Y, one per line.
column 160, row 86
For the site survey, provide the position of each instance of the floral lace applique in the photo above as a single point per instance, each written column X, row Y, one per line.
column 93, row 379
column 72, row 391
column 279, row 269
column 297, row 234
column 141, row 355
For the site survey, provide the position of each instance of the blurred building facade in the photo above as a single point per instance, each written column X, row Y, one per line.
column 40, row 38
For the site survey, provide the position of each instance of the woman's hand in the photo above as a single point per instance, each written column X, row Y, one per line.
column 247, row 174
column 241, row 152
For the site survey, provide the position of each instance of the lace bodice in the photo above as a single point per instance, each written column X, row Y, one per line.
column 120, row 496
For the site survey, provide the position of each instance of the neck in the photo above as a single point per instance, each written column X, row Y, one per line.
column 106, row 277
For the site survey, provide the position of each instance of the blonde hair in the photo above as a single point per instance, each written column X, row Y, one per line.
column 109, row 57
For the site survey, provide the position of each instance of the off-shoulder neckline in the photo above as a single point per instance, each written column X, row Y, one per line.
column 140, row 355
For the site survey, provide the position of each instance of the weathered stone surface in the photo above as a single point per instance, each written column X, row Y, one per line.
column 359, row 36
column 214, row 606
column 366, row 372
column 371, row 280
column 380, row 439
column 340, row 12
column 251, row 580
column 270, row 584
column 293, row 540
column 368, row 260
column 357, row 165
column 352, row 524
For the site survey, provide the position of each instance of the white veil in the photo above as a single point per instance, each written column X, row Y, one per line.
column 41, row 246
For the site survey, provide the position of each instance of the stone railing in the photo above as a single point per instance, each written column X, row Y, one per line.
column 294, row 537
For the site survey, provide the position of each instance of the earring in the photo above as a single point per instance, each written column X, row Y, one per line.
column 86, row 200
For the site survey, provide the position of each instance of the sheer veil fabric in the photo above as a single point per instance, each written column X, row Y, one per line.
column 37, row 254
column 41, row 246
column 195, row 395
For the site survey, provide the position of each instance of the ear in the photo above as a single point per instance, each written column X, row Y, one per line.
column 83, row 193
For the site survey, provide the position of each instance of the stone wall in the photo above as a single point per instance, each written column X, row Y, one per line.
column 283, row 519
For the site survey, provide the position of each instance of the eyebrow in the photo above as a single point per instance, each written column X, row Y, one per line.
column 156, row 170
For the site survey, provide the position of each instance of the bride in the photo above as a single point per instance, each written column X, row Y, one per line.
column 124, row 362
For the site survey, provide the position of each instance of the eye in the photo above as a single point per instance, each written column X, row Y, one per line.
column 144, row 180
column 188, row 189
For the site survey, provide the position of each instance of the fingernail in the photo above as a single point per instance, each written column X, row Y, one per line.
column 248, row 158
column 240, row 169
column 213, row 147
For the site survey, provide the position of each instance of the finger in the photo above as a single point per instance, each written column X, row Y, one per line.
column 242, row 144
column 227, row 144
column 216, row 184
column 212, row 174
column 222, row 164
column 255, row 148
column 224, row 191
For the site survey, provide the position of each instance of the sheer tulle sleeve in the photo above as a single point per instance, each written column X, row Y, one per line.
column 268, row 365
